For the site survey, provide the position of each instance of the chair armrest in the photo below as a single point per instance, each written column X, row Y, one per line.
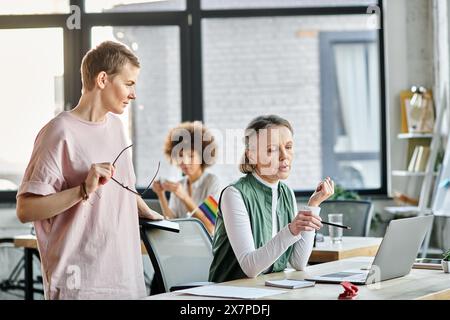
column 190, row 285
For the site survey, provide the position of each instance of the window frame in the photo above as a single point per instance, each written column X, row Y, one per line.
column 328, row 90
column 319, row 11
column 77, row 42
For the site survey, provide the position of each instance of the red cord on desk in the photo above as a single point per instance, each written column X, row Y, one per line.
column 351, row 291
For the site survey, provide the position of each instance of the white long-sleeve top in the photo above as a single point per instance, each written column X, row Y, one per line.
column 237, row 223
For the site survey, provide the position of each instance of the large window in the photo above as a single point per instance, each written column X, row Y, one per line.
column 158, row 91
column 134, row 5
column 258, row 4
column 32, row 86
column 276, row 65
column 350, row 95
column 17, row 7
column 316, row 63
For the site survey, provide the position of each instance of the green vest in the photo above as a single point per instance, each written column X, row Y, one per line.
column 258, row 201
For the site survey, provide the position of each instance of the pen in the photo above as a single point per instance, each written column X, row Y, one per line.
column 336, row 225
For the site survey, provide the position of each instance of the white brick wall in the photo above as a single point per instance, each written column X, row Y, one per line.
column 251, row 66
column 158, row 103
column 243, row 4
column 254, row 66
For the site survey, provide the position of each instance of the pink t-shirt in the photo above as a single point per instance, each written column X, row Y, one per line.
column 92, row 250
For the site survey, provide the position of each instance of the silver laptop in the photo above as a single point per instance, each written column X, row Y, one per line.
column 395, row 256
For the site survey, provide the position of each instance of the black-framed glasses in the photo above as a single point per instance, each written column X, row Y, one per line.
column 141, row 194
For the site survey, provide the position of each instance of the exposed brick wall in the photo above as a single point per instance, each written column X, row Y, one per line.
column 244, row 4
column 158, row 103
column 269, row 65
column 251, row 66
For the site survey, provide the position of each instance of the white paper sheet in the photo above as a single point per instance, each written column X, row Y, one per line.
column 231, row 292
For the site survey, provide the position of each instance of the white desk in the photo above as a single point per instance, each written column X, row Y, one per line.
column 419, row 284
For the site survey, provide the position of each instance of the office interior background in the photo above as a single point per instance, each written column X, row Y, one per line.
column 334, row 68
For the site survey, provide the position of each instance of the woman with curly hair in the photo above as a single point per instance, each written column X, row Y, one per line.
column 192, row 148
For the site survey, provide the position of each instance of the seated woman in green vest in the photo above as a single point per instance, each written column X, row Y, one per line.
column 258, row 229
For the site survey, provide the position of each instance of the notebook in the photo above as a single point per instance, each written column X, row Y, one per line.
column 160, row 224
column 290, row 283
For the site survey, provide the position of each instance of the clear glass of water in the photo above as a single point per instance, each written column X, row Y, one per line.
column 335, row 232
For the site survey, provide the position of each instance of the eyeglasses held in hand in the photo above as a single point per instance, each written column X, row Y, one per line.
column 141, row 194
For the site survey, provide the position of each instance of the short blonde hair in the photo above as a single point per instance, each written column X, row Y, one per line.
column 195, row 130
column 257, row 124
column 108, row 56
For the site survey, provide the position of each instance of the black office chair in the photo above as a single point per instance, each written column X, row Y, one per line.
column 181, row 259
column 356, row 214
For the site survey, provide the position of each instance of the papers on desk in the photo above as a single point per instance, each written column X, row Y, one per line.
column 231, row 292
column 290, row 283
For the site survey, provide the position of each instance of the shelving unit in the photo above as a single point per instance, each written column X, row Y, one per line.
column 406, row 173
column 427, row 178
column 412, row 180
column 415, row 135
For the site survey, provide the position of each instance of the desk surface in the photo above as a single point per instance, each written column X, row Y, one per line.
column 349, row 247
column 323, row 252
column 441, row 295
column 419, row 284
column 25, row 241
column 29, row 241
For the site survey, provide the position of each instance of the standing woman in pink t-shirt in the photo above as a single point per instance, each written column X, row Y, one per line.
column 86, row 223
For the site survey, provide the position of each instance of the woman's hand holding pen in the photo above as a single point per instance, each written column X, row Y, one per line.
column 305, row 221
column 324, row 190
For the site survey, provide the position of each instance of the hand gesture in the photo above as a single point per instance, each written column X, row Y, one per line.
column 305, row 221
column 98, row 175
column 324, row 190
column 157, row 187
column 152, row 215
column 176, row 188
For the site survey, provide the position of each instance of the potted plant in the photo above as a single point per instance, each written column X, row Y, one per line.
column 340, row 193
column 446, row 261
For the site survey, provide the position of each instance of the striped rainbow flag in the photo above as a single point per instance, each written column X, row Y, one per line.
column 209, row 207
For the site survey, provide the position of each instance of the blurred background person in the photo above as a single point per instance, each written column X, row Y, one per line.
column 191, row 147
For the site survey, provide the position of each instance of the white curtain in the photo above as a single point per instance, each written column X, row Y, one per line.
column 359, row 94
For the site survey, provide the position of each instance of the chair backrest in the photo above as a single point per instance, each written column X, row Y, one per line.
column 356, row 214
column 178, row 258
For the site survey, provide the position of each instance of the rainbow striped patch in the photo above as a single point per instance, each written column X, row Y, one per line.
column 209, row 207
